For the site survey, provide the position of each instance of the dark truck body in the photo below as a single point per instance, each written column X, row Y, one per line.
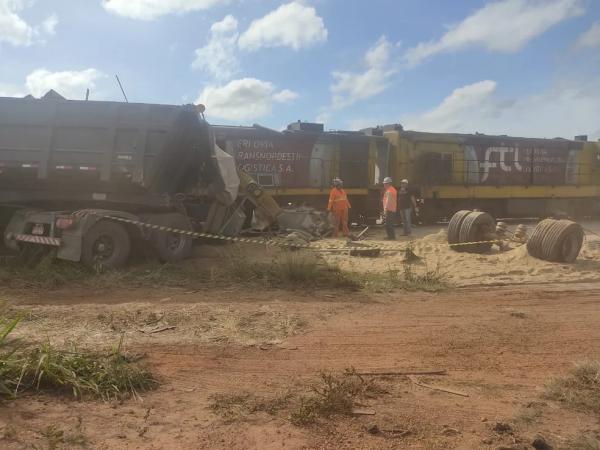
column 83, row 159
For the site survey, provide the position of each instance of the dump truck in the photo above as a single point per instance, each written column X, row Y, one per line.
column 88, row 178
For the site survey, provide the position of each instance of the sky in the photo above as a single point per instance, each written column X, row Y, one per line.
column 517, row 67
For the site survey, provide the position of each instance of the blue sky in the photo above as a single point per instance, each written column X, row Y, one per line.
column 521, row 67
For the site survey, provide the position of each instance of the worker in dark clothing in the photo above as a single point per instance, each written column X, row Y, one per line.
column 406, row 204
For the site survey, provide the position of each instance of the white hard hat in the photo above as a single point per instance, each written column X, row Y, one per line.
column 387, row 180
column 404, row 181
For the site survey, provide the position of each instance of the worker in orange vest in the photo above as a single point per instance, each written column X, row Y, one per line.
column 339, row 205
column 390, row 206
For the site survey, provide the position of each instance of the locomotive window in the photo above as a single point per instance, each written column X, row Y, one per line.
column 266, row 180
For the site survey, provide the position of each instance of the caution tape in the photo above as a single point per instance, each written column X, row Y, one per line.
column 196, row 234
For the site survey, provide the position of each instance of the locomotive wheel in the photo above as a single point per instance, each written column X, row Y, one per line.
column 172, row 247
column 476, row 227
column 106, row 245
column 454, row 228
column 534, row 244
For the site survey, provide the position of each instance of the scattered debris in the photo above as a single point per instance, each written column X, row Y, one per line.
column 157, row 329
column 540, row 443
column 388, row 374
column 373, row 429
column 502, row 428
column 436, row 388
column 363, row 412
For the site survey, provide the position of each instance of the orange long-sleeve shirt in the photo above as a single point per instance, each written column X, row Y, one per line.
column 338, row 200
column 390, row 199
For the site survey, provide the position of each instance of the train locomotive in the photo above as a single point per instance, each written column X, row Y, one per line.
column 507, row 176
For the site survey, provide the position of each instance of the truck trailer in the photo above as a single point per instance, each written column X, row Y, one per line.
column 67, row 166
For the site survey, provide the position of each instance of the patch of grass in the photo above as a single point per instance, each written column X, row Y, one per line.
column 293, row 269
column 82, row 373
column 530, row 414
column 580, row 389
column 431, row 280
column 232, row 407
column 333, row 395
column 587, row 441
column 290, row 269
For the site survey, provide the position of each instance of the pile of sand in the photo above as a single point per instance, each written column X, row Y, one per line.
column 510, row 266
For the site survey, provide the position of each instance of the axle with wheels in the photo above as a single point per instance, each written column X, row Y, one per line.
column 96, row 242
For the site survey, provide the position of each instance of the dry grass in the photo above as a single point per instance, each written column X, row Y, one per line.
column 580, row 389
column 587, row 441
column 333, row 395
column 287, row 270
column 233, row 407
column 428, row 280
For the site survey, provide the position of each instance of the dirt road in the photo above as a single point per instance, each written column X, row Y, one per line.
column 499, row 347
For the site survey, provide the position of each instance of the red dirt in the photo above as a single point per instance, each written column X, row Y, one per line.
column 498, row 345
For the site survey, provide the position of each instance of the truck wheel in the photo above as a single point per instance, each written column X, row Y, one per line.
column 454, row 228
column 172, row 247
column 106, row 245
column 477, row 226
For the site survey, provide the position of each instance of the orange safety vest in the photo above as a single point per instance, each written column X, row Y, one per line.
column 390, row 199
column 338, row 200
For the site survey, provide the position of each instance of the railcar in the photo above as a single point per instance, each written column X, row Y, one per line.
column 298, row 164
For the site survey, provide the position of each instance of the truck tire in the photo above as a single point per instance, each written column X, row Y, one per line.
column 172, row 247
column 454, row 228
column 534, row 243
column 106, row 245
column 477, row 226
column 562, row 242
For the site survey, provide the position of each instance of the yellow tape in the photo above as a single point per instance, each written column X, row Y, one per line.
column 363, row 246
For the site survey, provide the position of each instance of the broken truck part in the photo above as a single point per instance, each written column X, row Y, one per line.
column 64, row 164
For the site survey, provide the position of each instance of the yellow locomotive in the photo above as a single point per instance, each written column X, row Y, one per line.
column 507, row 176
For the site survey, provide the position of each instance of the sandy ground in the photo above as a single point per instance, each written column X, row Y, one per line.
column 465, row 269
column 500, row 344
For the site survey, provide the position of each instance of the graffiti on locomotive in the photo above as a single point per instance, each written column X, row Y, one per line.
column 521, row 165
column 276, row 162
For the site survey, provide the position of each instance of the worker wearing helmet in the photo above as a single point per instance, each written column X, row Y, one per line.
column 390, row 200
column 339, row 205
column 406, row 203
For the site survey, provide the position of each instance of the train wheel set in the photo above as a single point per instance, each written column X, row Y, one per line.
column 551, row 240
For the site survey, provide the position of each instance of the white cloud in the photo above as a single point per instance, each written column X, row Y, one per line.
column 477, row 107
column 285, row 96
column 450, row 114
column 70, row 84
column 152, row 9
column 291, row 25
column 14, row 30
column 243, row 99
column 218, row 56
column 49, row 25
column 503, row 26
column 591, row 38
column 350, row 87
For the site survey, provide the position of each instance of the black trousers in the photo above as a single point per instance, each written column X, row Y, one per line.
column 390, row 223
